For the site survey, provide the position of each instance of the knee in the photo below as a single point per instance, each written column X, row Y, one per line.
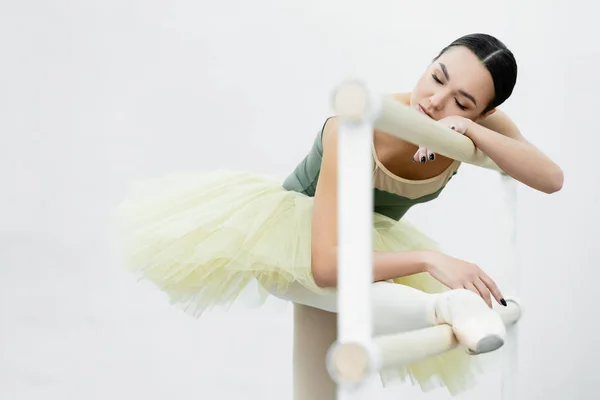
column 323, row 275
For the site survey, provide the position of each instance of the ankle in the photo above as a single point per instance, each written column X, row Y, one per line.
column 457, row 304
column 439, row 313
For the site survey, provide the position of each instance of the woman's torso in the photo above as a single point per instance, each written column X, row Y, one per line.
column 399, row 182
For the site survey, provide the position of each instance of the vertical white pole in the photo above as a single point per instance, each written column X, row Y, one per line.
column 510, row 350
column 355, row 224
column 355, row 192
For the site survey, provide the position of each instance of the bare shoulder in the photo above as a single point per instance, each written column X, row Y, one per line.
column 402, row 97
column 329, row 135
column 500, row 122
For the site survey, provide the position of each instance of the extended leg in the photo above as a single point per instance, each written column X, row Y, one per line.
column 396, row 308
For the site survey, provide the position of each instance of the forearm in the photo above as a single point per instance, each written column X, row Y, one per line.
column 390, row 265
column 518, row 159
column 386, row 265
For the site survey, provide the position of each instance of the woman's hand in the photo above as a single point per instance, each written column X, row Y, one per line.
column 454, row 122
column 459, row 274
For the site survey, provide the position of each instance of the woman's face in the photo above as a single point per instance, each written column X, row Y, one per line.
column 457, row 83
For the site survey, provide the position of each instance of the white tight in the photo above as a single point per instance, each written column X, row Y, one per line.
column 396, row 308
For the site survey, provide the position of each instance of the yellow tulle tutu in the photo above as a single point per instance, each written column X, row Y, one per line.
column 203, row 237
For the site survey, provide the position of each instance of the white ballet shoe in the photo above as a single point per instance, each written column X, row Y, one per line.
column 477, row 327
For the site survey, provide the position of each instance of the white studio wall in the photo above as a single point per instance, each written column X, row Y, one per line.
column 97, row 95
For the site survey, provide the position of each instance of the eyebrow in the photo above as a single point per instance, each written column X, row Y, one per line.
column 467, row 95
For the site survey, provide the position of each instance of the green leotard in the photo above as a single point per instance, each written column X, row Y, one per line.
column 393, row 195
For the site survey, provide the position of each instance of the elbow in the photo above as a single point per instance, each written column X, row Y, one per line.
column 555, row 183
column 324, row 272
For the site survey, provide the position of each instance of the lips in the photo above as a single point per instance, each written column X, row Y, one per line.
column 423, row 111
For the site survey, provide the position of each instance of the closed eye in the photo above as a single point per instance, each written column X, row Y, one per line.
column 435, row 78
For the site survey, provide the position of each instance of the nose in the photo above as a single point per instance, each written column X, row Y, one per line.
column 437, row 100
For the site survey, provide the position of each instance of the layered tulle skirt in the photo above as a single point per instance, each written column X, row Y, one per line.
column 202, row 238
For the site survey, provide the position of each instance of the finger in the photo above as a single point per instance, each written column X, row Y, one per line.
column 430, row 155
column 460, row 127
column 491, row 285
column 416, row 155
column 483, row 291
column 421, row 155
column 471, row 287
column 457, row 125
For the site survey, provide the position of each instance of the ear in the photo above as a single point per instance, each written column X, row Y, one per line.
column 487, row 114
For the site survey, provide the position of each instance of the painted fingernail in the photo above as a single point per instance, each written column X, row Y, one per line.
column 503, row 302
column 423, row 159
column 432, row 156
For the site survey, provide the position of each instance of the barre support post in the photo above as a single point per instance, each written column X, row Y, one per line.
column 357, row 354
column 351, row 359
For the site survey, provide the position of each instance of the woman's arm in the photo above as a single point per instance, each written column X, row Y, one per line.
column 511, row 151
column 324, row 226
column 452, row 272
column 514, row 154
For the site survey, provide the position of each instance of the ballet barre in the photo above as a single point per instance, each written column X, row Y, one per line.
column 357, row 354
column 350, row 363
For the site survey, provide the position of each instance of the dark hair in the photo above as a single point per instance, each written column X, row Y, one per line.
column 497, row 58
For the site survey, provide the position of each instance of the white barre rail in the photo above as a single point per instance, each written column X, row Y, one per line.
column 350, row 363
column 357, row 354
